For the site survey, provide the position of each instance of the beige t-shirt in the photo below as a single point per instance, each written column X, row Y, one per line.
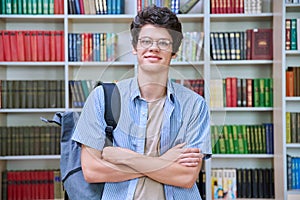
column 146, row 187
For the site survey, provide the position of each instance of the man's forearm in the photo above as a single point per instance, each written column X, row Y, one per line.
column 96, row 169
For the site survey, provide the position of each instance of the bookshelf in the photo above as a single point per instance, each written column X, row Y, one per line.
column 283, row 59
column 198, row 19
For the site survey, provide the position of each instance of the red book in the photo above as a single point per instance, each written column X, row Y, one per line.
column 234, row 91
column 13, row 45
column 228, row 92
column 249, row 92
column 241, row 7
column 62, row 45
column 52, row 46
column 56, row 7
column 287, row 34
column 262, row 44
column 27, row 45
column 33, row 44
column 1, row 47
column 47, row 46
column 289, row 83
column 51, row 184
column 6, row 44
column 59, row 45
column 21, row 47
column 40, row 46
column 81, row 4
column 61, row 7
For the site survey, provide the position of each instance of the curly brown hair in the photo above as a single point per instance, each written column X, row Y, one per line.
column 160, row 17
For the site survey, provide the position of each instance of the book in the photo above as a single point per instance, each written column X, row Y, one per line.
column 13, row 45
column 287, row 34
column 1, row 47
column 262, row 44
column 185, row 8
column 293, row 34
column 20, row 47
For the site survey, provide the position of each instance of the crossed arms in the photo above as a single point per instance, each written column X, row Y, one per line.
column 178, row 166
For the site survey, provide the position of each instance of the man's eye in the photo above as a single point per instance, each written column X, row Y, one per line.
column 163, row 43
column 146, row 42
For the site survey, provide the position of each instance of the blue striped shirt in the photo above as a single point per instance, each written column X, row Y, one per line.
column 186, row 119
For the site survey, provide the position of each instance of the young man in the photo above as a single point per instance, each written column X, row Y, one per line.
column 164, row 128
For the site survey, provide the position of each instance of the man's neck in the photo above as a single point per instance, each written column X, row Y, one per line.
column 153, row 87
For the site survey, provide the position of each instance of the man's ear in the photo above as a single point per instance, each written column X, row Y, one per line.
column 134, row 52
column 174, row 56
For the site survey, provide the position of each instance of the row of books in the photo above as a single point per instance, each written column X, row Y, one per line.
column 32, row 7
column 228, row 183
column 79, row 91
column 191, row 47
column 29, row 140
column 292, row 1
column 32, row 94
column 173, row 5
column 292, row 127
column 292, row 34
column 292, row 81
column 31, row 45
column 96, row 7
column 293, row 172
column 197, row 85
column 32, row 184
column 252, row 44
column 242, row 139
column 241, row 92
column 92, row 46
column 235, row 6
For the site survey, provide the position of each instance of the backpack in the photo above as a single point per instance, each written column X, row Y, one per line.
column 70, row 163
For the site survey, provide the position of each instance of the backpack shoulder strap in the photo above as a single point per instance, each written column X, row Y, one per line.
column 112, row 108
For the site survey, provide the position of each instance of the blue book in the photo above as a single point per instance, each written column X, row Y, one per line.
column 119, row 7
column 70, row 47
column 79, row 47
column 74, row 46
column 77, row 7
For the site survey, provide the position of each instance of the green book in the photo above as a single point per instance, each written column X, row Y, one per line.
column 267, row 92
column 213, row 141
column 230, row 139
column 14, row 7
column 8, row 6
column 256, row 139
column 249, row 138
column 245, row 142
column 20, row 7
column 51, row 7
column 226, row 138
column 40, row 7
column 216, row 137
column 294, row 34
column 235, row 138
column 3, row 141
column 29, row 7
column 45, row 7
column 24, row 6
column 263, row 138
column 221, row 140
column 3, row 7
column 271, row 92
column 261, row 92
column 260, row 138
column 85, row 89
column 34, row 7
column 256, row 92
column 241, row 147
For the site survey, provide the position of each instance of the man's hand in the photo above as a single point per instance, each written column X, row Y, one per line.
column 189, row 157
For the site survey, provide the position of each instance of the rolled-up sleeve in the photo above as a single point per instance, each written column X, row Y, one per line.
column 90, row 128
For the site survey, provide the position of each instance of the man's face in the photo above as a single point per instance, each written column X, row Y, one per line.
column 154, row 48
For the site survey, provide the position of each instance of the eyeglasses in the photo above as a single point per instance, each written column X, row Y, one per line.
column 162, row 44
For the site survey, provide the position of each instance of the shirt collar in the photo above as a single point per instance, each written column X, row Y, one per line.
column 135, row 91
